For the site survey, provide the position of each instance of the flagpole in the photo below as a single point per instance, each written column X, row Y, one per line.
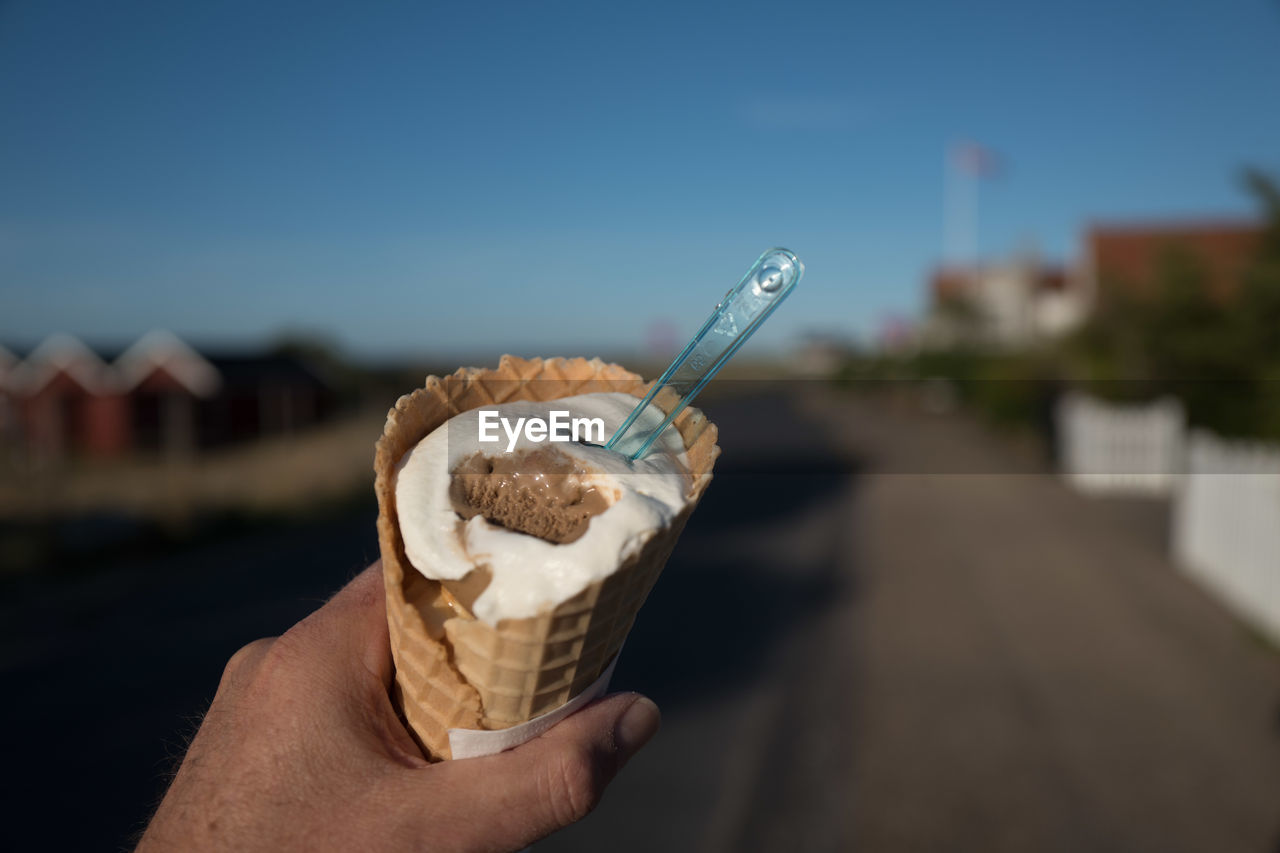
column 951, row 239
column 960, row 203
column 974, row 250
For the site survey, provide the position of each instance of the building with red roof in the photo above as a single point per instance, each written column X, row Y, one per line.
column 1013, row 303
column 1130, row 256
column 1022, row 301
column 159, row 395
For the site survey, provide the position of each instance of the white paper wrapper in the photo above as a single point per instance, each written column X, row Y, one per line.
column 476, row 743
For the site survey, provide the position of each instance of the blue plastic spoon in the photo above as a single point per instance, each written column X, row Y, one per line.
column 747, row 305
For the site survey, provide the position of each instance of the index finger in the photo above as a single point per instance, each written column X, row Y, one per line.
column 353, row 624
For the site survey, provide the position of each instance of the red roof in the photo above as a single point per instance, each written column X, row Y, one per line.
column 1130, row 256
column 1053, row 278
column 949, row 283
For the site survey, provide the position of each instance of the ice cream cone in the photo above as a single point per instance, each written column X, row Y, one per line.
column 454, row 671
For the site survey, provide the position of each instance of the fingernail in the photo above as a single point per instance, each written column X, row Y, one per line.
column 638, row 723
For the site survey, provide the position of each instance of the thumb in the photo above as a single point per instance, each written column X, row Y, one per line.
column 514, row 798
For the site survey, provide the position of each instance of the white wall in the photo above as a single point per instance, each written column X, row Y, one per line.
column 1226, row 526
column 1226, row 495
column 1120, row 449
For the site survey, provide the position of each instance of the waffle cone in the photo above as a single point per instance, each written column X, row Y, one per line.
column 454, row 671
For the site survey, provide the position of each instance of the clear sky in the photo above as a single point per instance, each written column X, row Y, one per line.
column 554, row 177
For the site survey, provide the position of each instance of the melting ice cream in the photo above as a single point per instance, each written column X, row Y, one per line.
column 540, row 523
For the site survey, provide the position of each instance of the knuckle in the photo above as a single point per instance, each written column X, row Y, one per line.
column 247, row 659
column 576, row 785
column 283, row 655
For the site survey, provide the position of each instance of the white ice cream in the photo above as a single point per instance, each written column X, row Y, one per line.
column 532, row 575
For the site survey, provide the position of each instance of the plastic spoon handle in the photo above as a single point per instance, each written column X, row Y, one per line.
column 769, row 281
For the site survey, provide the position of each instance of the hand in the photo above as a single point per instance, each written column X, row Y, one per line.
column 301, row 749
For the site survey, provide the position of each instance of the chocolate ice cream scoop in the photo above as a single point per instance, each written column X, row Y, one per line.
column 542, row 492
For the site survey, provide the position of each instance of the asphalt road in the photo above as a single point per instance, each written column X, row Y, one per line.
column 893, row 632
column 882, row 631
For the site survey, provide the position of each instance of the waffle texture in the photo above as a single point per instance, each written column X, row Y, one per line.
column 454, row 671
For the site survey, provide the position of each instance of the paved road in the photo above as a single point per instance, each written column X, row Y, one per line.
column 899, row 636
column 879, row 632
column 1035, row 675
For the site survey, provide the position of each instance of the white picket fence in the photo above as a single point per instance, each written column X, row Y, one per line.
column 1226, row 526
column 1226, row 495
column 1111, row 449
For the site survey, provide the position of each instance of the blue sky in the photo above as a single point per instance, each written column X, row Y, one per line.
column 426, row 178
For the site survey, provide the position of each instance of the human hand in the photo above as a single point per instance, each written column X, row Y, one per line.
column 301, row 749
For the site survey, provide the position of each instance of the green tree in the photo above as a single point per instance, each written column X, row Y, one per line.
column 1259, row 316
column 1220, row 357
